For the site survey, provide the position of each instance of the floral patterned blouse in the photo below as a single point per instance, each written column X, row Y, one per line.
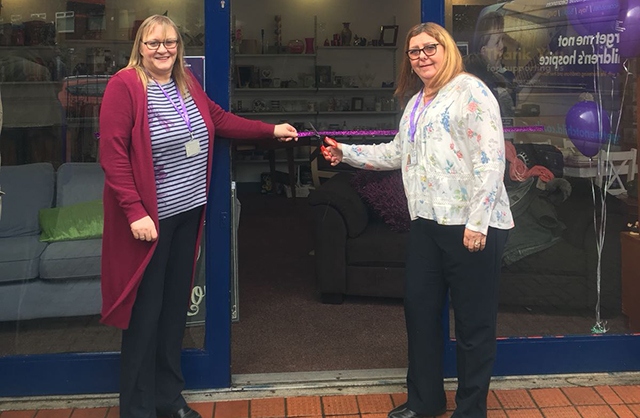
column 453, row 165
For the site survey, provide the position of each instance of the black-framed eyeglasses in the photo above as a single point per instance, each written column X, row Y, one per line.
column 428, row 50
column 168, row 44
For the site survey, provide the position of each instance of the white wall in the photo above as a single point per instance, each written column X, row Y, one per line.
column 365, row 16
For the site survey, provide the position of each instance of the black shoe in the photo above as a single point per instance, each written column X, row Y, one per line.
column 185, row 412
column 402, row 411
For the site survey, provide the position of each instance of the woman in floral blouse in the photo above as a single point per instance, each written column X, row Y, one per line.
column 450, row 147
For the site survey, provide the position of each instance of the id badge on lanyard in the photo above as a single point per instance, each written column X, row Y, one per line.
column 412, row 155
column 192, row 147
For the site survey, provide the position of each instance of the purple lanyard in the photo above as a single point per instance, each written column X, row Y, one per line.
column 413, row 121
column 182, row 110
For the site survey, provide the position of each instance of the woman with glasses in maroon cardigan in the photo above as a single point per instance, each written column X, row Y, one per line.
column 157, row 128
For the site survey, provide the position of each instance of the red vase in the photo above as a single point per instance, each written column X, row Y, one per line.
column 309, row 46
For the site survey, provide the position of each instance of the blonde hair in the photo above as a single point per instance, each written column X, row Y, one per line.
column 409, row 83
column 178, row 71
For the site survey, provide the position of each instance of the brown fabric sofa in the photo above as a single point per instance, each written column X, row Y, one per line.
column 356, row 253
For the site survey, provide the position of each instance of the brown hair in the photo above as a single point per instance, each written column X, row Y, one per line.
column 178, row 71
column 409, row 83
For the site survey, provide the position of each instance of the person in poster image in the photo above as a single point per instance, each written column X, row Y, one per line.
column 485, row 61
column 157, row 128
column 450, row 149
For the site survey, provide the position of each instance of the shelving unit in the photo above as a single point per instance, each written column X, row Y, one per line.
column 319, row 99
column 334, row 87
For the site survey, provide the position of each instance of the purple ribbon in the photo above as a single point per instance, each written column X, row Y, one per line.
column 391, row 132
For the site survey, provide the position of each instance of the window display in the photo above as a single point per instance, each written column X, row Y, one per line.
column 564, row 77
column 56, row 58
column 561, row 74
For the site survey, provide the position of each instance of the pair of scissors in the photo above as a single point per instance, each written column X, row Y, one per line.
column 329, row 141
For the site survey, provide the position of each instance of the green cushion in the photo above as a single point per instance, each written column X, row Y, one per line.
column 80, row 221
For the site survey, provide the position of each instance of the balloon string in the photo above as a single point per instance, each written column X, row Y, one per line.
column 600, row 326
column 599, row 224
column 624, row 93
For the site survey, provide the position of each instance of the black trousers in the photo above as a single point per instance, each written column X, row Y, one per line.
column 150, row 373
column 437, row 261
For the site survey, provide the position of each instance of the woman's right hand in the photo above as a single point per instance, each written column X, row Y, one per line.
column 332, row 152
column 144, row 229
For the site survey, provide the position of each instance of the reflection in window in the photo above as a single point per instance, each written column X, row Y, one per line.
column 56, row 58
column 554, row 281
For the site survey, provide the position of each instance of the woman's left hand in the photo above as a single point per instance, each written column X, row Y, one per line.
column 285, row 132
column 474, row 241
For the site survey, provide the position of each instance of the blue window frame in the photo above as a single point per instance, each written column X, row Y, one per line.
column 78, row 373
column 210, row 368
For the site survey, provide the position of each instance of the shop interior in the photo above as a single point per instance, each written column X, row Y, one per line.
column 318, row 65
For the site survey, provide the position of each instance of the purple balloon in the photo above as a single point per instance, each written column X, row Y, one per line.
column 629, row 27
column 593, row 16
column 587, row 127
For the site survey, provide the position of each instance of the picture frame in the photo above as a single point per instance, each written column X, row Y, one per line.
column 244, row 75
column 388, row 35
column 463, row 47
column 323, row 76
column 357, row 104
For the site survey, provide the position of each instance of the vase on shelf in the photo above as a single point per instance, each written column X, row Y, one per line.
column 309, row 45
column 345, row 35
column 295, row 46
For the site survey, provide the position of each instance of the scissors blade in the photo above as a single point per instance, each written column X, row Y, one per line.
column 315, row 130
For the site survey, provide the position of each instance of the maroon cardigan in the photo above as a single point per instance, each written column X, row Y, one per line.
column 130, row 191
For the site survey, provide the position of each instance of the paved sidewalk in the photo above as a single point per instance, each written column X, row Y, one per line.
column 596, row 396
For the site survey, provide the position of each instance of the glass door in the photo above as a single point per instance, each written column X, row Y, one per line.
column 56, row 59
column 331, row 66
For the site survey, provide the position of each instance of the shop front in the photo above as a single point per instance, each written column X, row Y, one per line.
column 565, row 79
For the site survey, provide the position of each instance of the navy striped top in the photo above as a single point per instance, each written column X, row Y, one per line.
column 180, row 180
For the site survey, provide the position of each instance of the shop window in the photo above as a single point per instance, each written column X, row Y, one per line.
column 56, row 58
column 550, row 67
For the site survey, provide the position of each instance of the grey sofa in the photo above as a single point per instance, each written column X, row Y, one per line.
column 39, row 279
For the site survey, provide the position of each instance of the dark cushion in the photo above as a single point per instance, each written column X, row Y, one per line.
column 338, row 193
column 383, row 192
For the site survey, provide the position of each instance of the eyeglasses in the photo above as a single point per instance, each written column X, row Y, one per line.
column 428, row 50
column 168, row 44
